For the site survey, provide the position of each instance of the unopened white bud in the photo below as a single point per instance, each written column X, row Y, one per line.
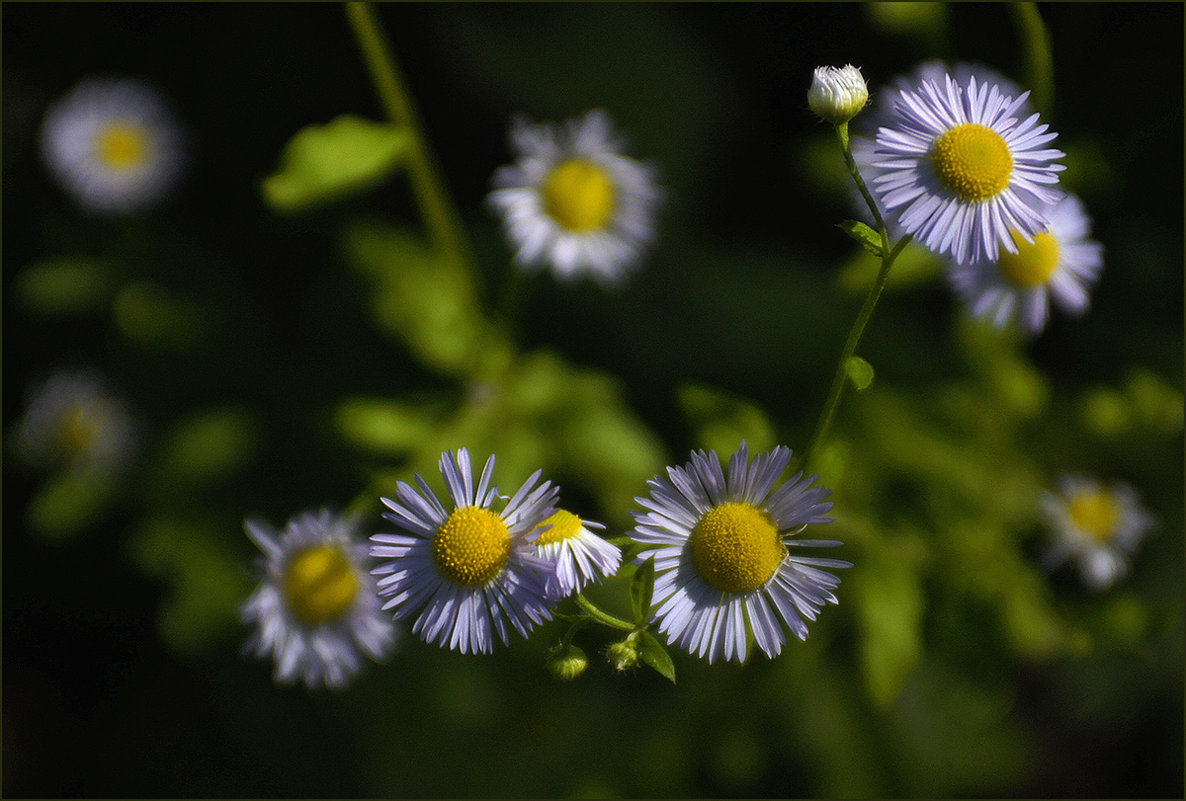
column 837, row 94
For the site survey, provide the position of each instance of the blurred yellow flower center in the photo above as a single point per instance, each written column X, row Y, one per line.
column 78, row 430
column 471, row 546
column 1095, row 513
column 320, row 584
column 563, row 525
column 579, row 195
column 122, row 146
column 972, row 161
column 736, row 547
column 1032, row 264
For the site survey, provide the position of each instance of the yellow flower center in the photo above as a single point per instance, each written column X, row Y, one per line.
column 563, row 525
column 1095, row 513
column 471, row 546
column 736, row 547
column 320, row 584
column 122, row 146
column 972, row 161
column 579, row 195
column 78, row 430
column 1032, row 264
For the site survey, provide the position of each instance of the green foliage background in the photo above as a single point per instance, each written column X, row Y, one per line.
column 311, row 351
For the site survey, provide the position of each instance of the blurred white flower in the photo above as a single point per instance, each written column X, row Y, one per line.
column 73, row 421
column 113, row 145
column 1096, row 526
column 315, row 611
column 573, row 201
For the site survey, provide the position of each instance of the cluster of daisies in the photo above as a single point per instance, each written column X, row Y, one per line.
column 958, row 160
column 731, row 569
column 467, row 570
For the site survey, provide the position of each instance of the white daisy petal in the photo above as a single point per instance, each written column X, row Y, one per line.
column 1059, row 264
column 316, row 609
column 573, row 201
column 722, row 542
column 472, row 571
column 1097, row 526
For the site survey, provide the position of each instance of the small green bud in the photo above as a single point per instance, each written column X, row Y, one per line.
column 624, row 655
column 837, row 94
column 567, row 661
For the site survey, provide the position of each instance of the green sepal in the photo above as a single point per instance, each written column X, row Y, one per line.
column 655, row 655
column 869, row 239
column 326, row 162
column 642, row 587
column 859, row 371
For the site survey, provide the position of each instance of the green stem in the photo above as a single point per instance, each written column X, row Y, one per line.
column 854, row 335
column 603, row 617
column 850, row 347
column 850, row 162
column 440, row 219
column 1039, row 55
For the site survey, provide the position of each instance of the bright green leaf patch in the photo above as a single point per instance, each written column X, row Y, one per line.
column 642, row 586
column 869, row 239
column 655, row 655
column 859, row 371
column 325, row 162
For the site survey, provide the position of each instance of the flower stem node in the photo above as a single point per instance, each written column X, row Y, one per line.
column 837, row 94
column 624, row 655
column 566, row 662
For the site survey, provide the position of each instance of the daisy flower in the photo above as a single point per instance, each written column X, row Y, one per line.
column 464, row 572
column 1099, row 527
column 881, row 110
column 725, row 553
column 113, row 145
column 837, row 94
column 962, row 173
column 1061, row 263
column 73, row 420
column 315, row 611
column 573, row 201
column 577, row 555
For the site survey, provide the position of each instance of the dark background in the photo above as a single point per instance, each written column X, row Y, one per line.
column 740, row 294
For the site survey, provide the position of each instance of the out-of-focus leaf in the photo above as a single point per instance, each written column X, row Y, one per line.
column 148, row 313
column 889, row 604
column 929, row 19
column 385, row 426
column 66, row 285
column 325, row 162
column 425, row 298
column 208, row 582
column 208, row 445
column 69, row 502
column 655, row 655
column 863, row 235
column 722, row 420
column 1155, row 402
column 859, row 371
column 642, row 585
column 1104, row 412
column 914, row 265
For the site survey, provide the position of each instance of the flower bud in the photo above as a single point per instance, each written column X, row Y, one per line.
column 567, row 662
column 837, row 94
column 624, row 655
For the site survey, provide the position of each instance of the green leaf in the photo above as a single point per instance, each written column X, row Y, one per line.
column 326, row 162
column 722, row 420
column 425, row 298
column 207, row 446
column 65, row 285
column 655, row 655
column 385, row 426
column 869, row 239
column 642, row 586
column 860, row 371
column 69, row 503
